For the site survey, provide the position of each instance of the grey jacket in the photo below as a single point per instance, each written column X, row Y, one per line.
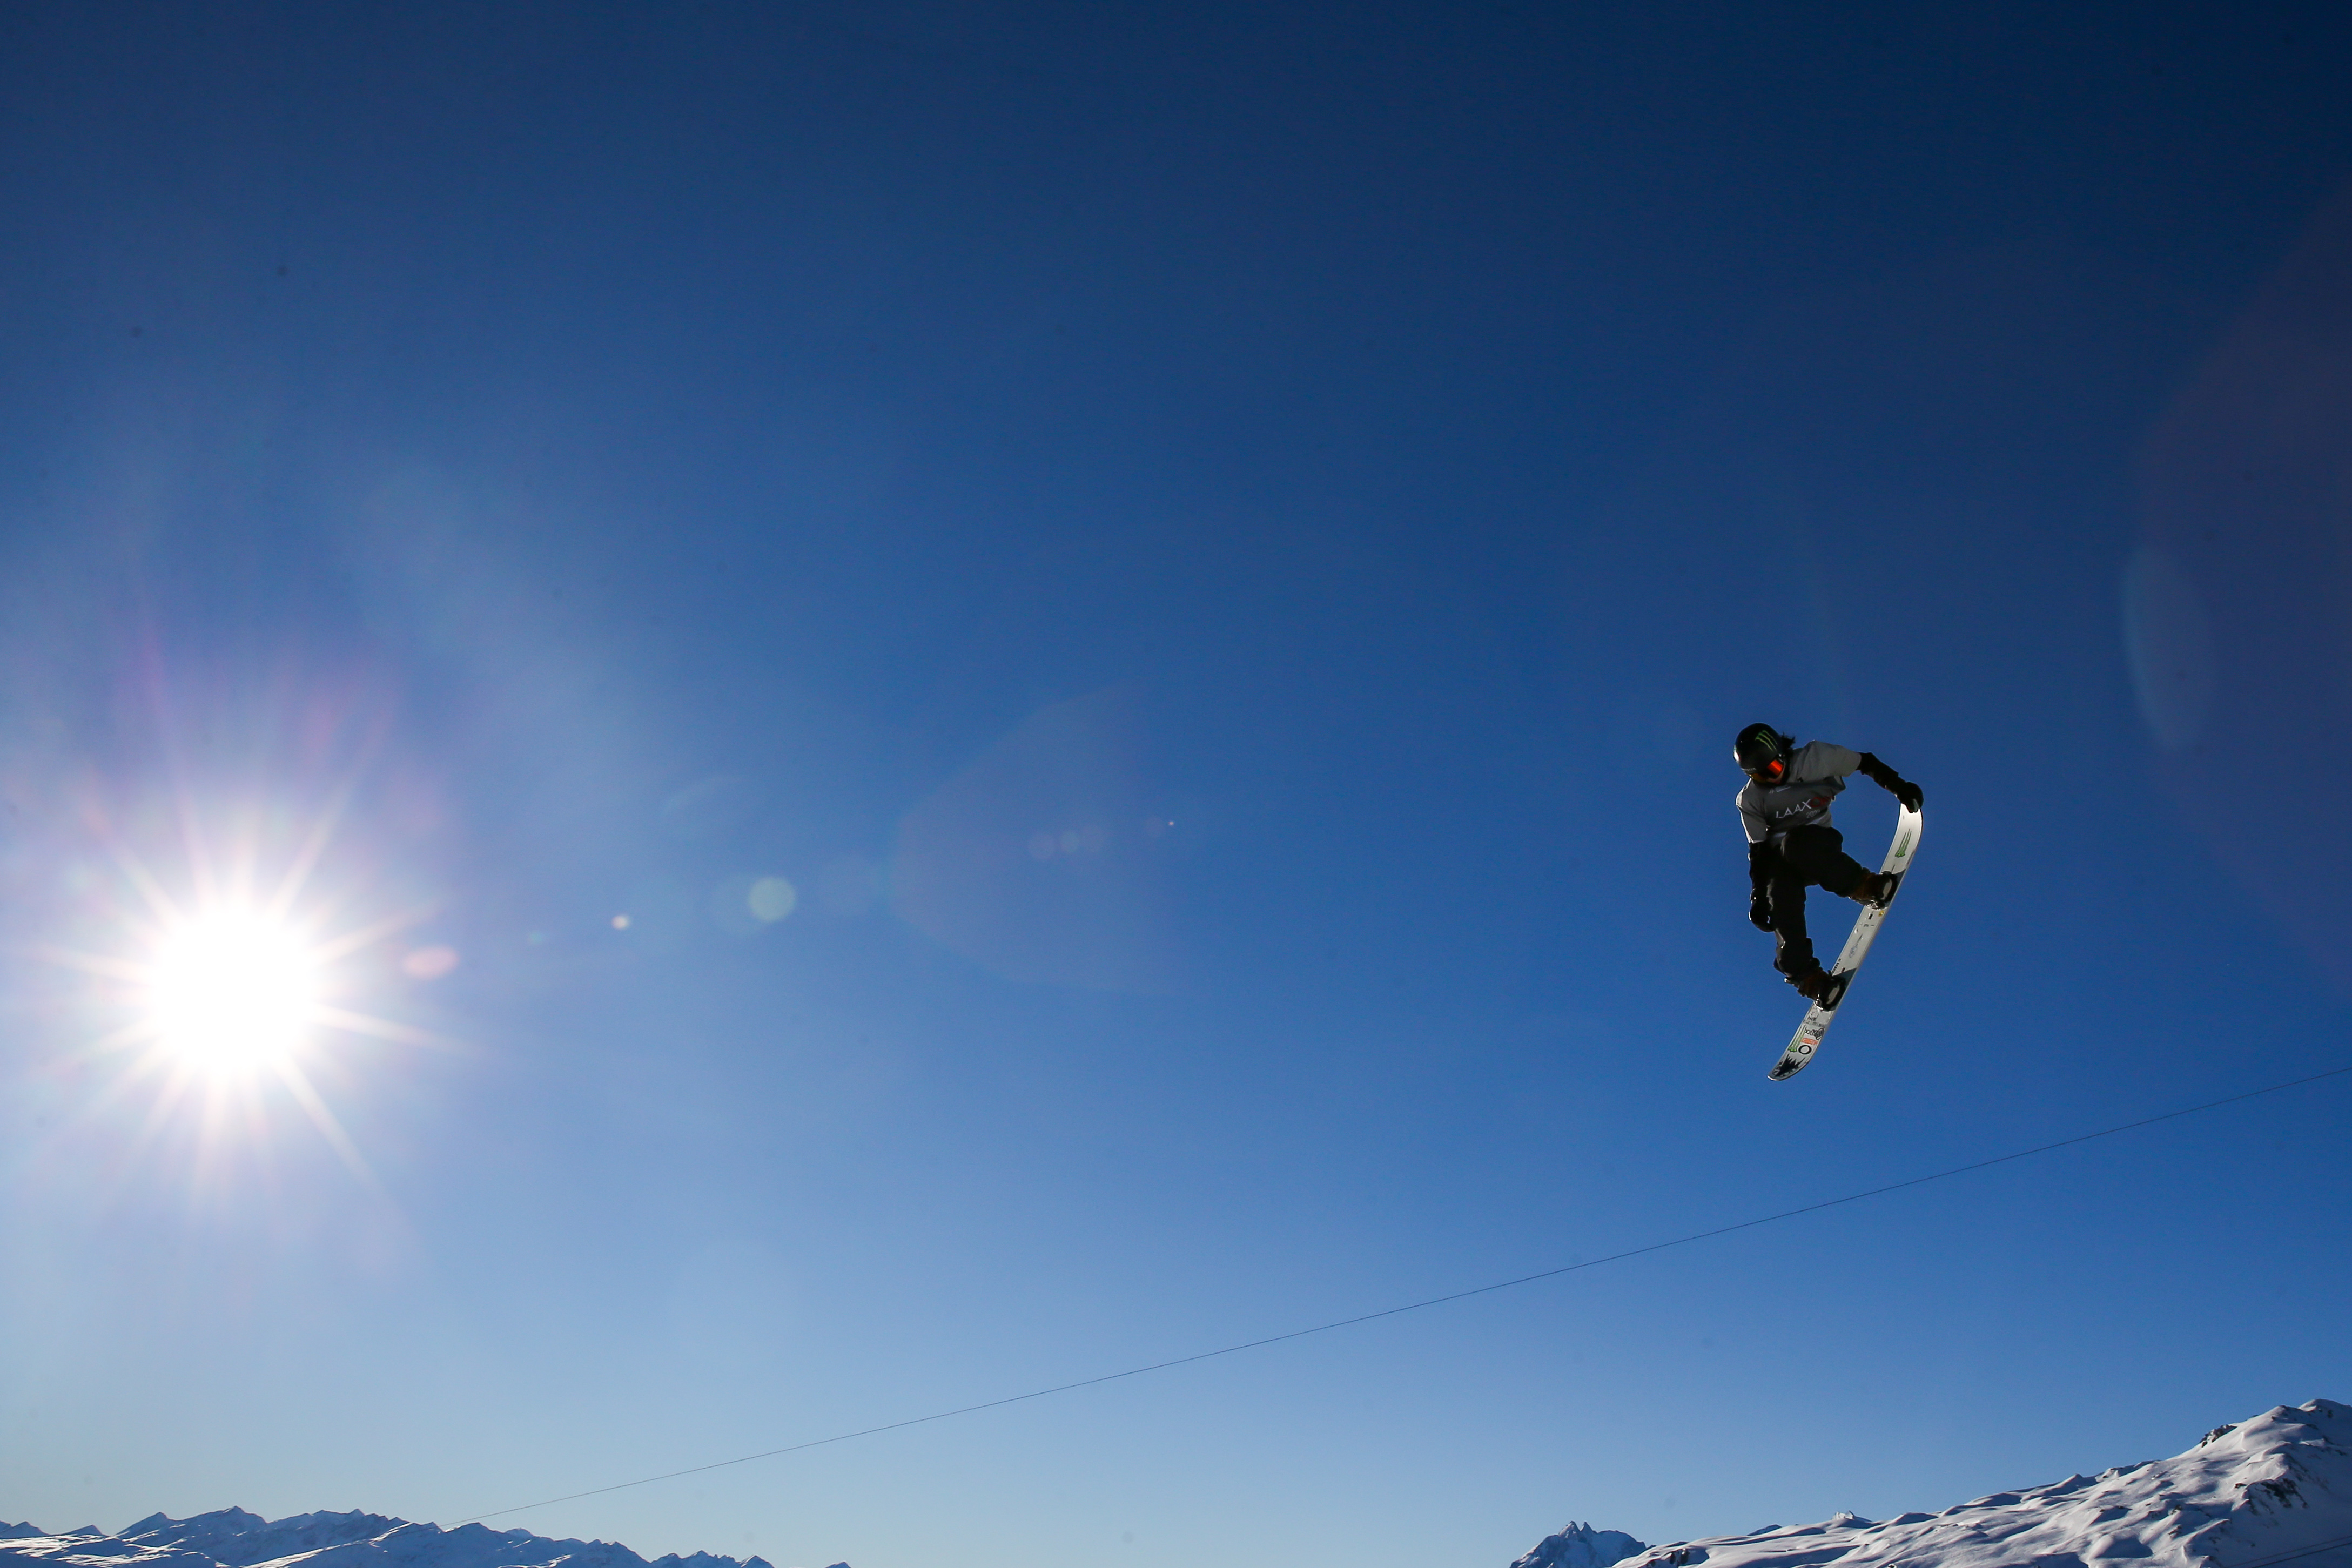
column 1817, row 774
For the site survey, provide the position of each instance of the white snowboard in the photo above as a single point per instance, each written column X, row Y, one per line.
column 1808, row 1038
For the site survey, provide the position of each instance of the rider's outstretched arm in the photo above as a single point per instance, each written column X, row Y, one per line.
column 1894, row 783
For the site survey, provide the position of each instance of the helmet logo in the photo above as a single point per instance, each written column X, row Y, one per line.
column 1761, row 752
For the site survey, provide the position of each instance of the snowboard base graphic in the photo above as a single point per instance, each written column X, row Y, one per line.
column 1818, row 1018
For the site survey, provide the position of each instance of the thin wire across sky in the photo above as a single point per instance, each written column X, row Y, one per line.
column 1428, row 1302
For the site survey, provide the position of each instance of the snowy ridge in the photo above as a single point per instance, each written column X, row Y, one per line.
column 232, row 1538
column 1581, row 1546
column 2272, row 1490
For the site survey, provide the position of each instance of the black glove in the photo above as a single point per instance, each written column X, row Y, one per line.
column 1760, row 910
column 1894, row 783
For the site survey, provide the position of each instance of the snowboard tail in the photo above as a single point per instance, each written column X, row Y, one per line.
column 1818, row 1017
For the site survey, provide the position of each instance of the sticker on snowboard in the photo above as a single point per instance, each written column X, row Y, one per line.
column 1808, row 1038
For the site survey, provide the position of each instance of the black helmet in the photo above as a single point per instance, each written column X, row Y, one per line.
column 1763, row 752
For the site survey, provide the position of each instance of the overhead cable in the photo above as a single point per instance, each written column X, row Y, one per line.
column 1420, row 1305
column 2299, row 1554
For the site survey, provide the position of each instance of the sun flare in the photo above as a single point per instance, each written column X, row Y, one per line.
column 238, row 958
column 230, row 990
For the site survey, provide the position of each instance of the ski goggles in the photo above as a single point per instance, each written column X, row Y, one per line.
column 1771, row 771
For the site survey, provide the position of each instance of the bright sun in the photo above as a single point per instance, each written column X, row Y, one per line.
column 224, row 995
column 231, row 990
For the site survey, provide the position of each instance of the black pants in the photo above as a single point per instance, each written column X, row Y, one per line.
column 1799, row 859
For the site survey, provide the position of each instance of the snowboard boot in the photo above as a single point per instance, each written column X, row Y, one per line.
column 1811, row 984
column 1875, row 888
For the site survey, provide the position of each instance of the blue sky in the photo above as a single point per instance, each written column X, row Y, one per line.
column 1218, row 552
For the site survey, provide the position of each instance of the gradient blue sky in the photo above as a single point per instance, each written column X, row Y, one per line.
column 1342, row 474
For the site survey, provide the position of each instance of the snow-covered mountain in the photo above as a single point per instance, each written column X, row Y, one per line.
column 1581, row 1546
column 232, row 1538
column 2273, row 1491
column 2264, row 1493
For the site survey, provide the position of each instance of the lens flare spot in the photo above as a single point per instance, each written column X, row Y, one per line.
column 231, row 990
column 771, row 899
column 429, row 963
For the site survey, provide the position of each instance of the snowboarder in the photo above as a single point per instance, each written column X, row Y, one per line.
column 1785, row 807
